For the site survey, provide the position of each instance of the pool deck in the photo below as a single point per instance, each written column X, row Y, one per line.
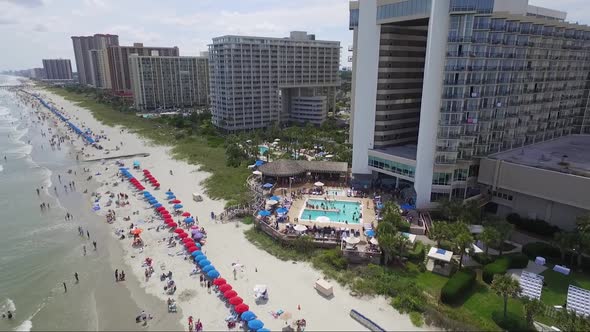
column 298, row 205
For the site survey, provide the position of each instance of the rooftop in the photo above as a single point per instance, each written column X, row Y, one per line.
column 404, row 151
column 550, row 155
column 283, row 167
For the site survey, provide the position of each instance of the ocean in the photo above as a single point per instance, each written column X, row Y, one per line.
column 40, row 249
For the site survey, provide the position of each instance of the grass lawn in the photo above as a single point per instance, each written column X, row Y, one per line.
column 432, row 283
column 555, row 292
column 208, row 152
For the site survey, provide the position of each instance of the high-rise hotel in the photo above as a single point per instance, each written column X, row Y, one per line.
column 440, row 84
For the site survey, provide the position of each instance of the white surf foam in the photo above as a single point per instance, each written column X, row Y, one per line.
column 25, row 326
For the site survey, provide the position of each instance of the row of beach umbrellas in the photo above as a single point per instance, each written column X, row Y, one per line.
column 194, row 248
column 151, row 178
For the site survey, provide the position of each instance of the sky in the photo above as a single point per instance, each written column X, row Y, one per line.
column 37, row 29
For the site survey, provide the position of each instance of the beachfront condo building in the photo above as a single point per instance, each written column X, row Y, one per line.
column 440, row 84
column 99, row 63
column 57, row 69
column 82, row 47
column 259, row 81
column 164, row 82
column 118, row 63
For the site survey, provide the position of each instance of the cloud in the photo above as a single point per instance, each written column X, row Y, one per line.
column 40, row 28
column 137, row 34
column 7, row 21
column 25, row 3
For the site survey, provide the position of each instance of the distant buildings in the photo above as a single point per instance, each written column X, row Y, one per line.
column 57, row 69
column 258, row 81
column 168, row 81
column 38, row 73
column 118, row 63
column 439, row 86
column 82, row 46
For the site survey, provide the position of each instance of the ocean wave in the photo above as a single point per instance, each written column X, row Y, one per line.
column 1, row 168
column 7, row 305
column 25, row 326
column 20, row 152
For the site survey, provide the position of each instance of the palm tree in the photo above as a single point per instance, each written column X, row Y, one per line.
column 462, row 241
column 505, row 286
column 490, row 236
column 532, row 308
column 505, row 229
column 564, row 242
column 388, row 245
column 439, row 232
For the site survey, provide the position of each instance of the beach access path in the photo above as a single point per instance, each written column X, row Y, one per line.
column 290, row 284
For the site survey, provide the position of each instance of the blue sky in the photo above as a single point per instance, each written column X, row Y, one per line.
column 37, row 29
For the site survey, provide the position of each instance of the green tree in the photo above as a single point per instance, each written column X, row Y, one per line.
column 564, row 242
column 532, row 308
column 388, row 244
column 504, row 229
column 490, row 237
column 451, row 209
column 439, row 232
column 461, row 241
column 506, row 287
column 583, row 232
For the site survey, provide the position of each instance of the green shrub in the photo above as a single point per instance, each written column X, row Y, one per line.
column 417, row 254
column 500, row 266
column 416, row 318
column 534, row 249
column 483, row 259
column 518, row 261
column 404, row 227
column 536, row 226
column 457, row 285
column 409, row 299
column 332, row 258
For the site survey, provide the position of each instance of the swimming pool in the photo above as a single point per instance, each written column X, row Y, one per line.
column 338, row 211
column 262, row 149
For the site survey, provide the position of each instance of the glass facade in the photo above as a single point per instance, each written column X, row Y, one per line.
column 479, row 6
column 353, row 21
column 404, row 8
column 392, row 166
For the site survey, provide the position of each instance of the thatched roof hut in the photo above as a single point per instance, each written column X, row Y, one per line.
column 285, row 168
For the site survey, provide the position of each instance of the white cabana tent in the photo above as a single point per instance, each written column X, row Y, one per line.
column 319, row 184
column 439, row 261
column 440, row 254
column 352, row 240
column 300, row 228
column 257, row 173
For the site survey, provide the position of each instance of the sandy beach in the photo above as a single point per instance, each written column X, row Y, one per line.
column 290, row 284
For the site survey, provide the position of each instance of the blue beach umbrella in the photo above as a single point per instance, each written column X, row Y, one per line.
column 197, row 253
column 282, row 210
column 169, row 193
column 213, row 274
column 146, row 193
column 264, row 213
column 370, row 233
column 199, row 257
column 204, row 262
column 275, row 198
column 153, row 202
column 255, row 324
column 178, row 206
column 264, row 329
column 157, row 205
column 208, row 268
column 258, row 163
column 267, row 185
column 248, row 315
column 189, row 220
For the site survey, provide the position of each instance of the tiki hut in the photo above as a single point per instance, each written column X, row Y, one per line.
column 283, row 169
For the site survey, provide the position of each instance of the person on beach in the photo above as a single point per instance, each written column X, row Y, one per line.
column 94, row 244
column 199, row 325
column 116, row 275
column 201, row 280
column 37, row 191
column 88, row 234
column 208, row 286
column 76, row 277
column 65, row 287
column 84, row 247
column 122, row 276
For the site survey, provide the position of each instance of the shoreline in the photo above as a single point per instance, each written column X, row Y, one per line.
column 290, row 283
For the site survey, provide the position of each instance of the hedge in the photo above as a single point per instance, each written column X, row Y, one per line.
column 483, row 259
column 500, row 266
column 536, row 226
column 512, row 322
column 534, row 249
column 457, row 285
column 518, row 261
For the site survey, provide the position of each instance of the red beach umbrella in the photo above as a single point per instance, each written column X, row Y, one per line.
column 220, row 282
column 189, row 243
column 161, row 208
column 188, row 240
column 236, row 300
column 140, row 187
column 186, row 214
column 165, row 213
column 172, row 224
column 152, row 180
column 176, row 201
column 229, row 294
column 225, row 287
column 182, row 235
column 168, row 218
column 146, row 170
column 157, row 185
column 192, row 249
column 179, row 231
column 241, row 308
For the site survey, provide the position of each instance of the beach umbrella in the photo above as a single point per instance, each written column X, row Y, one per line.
column 179, row 231
column 219, row 282
column 187, row 240
column 154, row 202
column 236, row 300
column 197, row 235
column 282, row 210
column 146, row 171
column 264, row 213
column 177, row 206
column 159, row 207
column 186, row 214
column 300, row 228
column 204, row 262
column 156, row 185
column 189, row 243
column 264, row 329
column 188, row 220
column 172, row 224
column 213, row 274
column 258, row 163
column 230, row 293
column 171, row 197
column 318, row 184
column 257, row 173
column 169, row 193
column 140, row 187
column 182, row 235
column 208, row 268
column 370, row 233
column 197, row 253
column 241, row 308
column 136, row 231
column 267, row 185
column 255, row 324
column 275, row 198
column 175, row 201
column 192, row 249
column 248, row 315
column 225, row 287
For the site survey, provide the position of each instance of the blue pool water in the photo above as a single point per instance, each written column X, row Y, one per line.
column 262, row 149
column 339, row 211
